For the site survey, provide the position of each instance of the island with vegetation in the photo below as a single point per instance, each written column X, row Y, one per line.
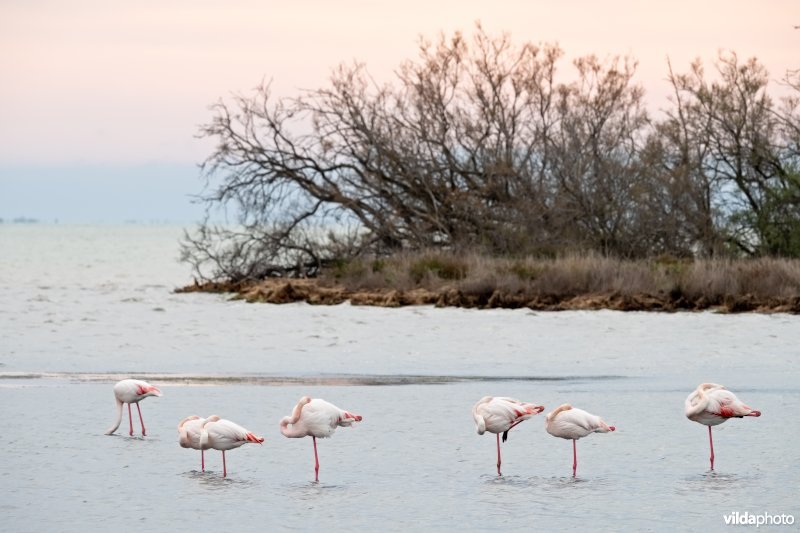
column 482, row 176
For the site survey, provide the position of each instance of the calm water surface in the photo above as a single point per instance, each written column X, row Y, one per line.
column 83, row 306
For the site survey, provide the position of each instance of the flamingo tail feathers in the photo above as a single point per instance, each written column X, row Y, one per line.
column 253, row 438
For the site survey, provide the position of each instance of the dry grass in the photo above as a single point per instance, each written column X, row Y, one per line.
column 568, row 282
column 676, row 283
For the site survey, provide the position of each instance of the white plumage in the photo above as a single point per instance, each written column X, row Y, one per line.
column 570, row 423
column 222, row 435
column 712, row 404
column 315, row 418
column 131, row 391
column 500, row 414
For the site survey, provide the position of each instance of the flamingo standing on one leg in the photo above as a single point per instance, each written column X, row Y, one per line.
column 711, row 404
column 568, row 422
column 131, row 391
column 221, row 434
column 189, row 431
column 317, row 418
column 499, row 415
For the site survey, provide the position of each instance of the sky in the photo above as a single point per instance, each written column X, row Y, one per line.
column 100, row 101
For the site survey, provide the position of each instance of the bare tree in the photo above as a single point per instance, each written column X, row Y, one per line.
column 476, row 145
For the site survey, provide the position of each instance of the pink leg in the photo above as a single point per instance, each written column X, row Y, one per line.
column 498, row 455
column 130, row 420
column 203, row 460
column 316, row 461
column 711, row 443
column 224, row 466
column 144, row 434
column 574, row 458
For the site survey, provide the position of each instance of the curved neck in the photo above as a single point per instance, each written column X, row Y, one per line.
column 111, row 430
column 700, row 406
column 289, row 428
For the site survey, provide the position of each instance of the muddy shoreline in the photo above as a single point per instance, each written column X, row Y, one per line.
column 312, row 291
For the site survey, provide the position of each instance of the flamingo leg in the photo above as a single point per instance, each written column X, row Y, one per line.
column 711, row 443
column 498, row 455
column 316, row 461
column 144, row 434
column 130, row 420
column 203, row 460
column 224, row 466
column 574, row 458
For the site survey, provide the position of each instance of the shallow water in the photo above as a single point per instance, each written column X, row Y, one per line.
column 83, row 306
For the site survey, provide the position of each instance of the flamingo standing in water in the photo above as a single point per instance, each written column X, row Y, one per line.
column 711, row 404
column 499, row 415
column 317, row 418
column 131, row 391
column 221, row 434
column 189, row 431
column 568, row 422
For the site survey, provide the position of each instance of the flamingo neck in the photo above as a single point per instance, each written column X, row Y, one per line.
column 290, row 429
column 119, row 419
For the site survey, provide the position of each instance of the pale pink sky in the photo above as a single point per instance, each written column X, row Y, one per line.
column 88, row 82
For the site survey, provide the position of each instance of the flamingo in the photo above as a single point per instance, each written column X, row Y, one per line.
column 131, row 391
column 189, row 431
column 568, row 422
column 711, row 404
column 317, row 418
column 221, row 434
column 499, row 415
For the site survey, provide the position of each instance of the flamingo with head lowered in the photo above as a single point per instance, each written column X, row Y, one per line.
column 131, row 391
column 499, row 415
column 711, row 404
column 568, row 422
column 318, row 419
column 189, row 432
column 221, row 434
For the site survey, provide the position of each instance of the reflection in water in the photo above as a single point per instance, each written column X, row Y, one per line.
column 713, row 481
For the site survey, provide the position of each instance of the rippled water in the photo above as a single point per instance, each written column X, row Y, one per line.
column 83, row 306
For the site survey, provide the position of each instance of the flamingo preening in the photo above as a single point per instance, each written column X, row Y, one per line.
column 221, row 434
column 189, row 432
column 568, row 422
column 499, row 415
column 131, row 391
column 711, row 404
column 316, row 418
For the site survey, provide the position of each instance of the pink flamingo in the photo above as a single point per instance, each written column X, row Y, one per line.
column 221, row 434
column 189, row 431
column 131, row 391
column 711, row 404
column 499, row 415
column 568, row 422
column 317, row 418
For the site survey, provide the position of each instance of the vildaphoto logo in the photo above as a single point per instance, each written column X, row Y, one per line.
column 763, row 519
